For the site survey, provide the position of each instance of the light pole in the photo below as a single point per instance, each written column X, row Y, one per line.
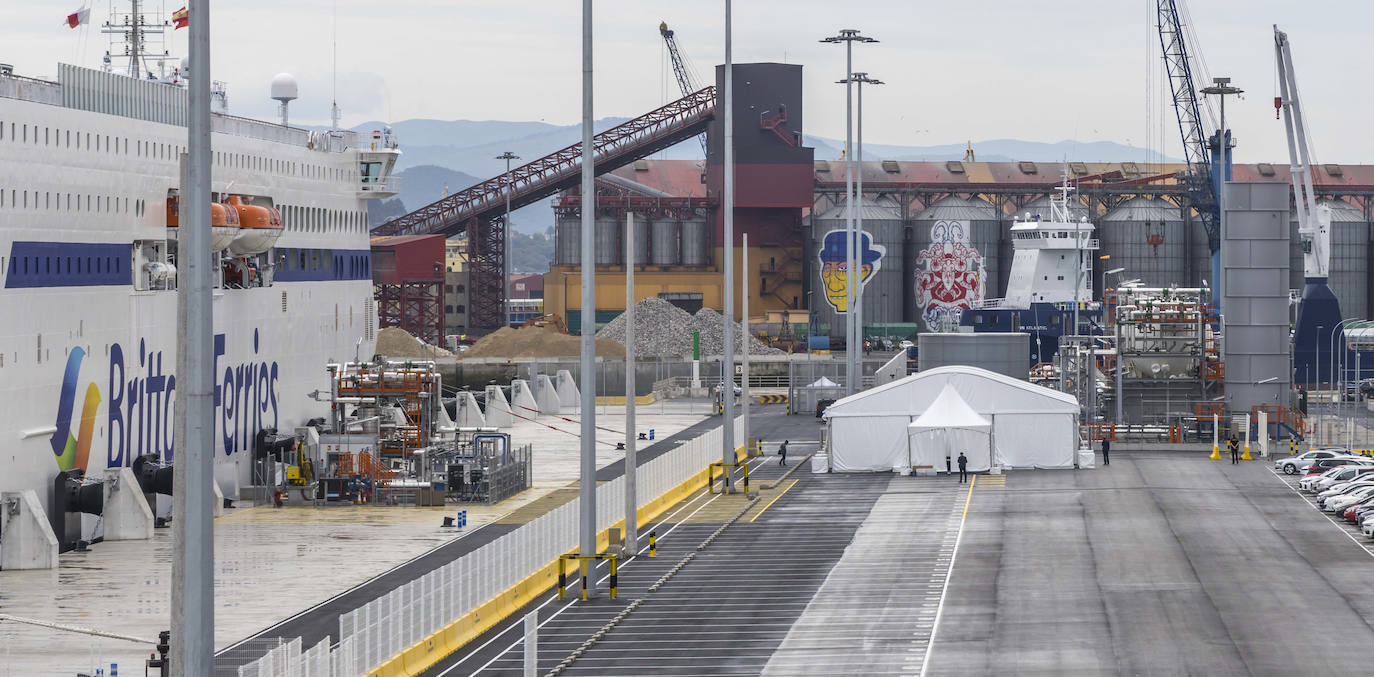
column 1221, row 87
column 586, row 493
column 849, row 36
column 861, row 79
column 1116, row 328
column 505, row 259
column 727, row 377
column 1317, row 360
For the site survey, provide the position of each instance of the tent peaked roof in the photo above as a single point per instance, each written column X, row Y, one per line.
column 949, row 410
column 984, row 391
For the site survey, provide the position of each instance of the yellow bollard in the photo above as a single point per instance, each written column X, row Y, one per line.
column 1246, row 456
column 1216, row 453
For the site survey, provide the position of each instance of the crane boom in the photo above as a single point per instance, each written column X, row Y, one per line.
column 684, row 77
column 1314, row 222
column 1177, row 62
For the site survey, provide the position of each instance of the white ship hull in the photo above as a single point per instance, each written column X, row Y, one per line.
column 88, row 358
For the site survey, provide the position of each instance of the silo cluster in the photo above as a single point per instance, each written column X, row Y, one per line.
column 659, row 240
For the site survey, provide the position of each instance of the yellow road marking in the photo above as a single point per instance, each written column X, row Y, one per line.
column 969, row 498
column 775, row 500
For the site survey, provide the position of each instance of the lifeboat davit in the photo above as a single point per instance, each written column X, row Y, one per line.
column 259, row 228
column 224, row 224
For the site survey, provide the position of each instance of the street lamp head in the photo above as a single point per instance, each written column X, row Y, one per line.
column 847, row 35
column 1115, row 271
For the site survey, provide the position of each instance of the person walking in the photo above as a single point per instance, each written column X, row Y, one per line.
column 1106, row 452
column 1234, row 445
column 782, row 453
column 963, row 468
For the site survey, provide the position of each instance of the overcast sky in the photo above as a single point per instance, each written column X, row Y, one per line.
column 1037, row 71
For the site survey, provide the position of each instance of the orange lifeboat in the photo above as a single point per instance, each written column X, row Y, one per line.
column 224, row 223
column 259, row 228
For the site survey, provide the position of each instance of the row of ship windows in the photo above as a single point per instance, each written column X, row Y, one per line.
column 25, row 199
column 343, row 266
column 321, row 220
column 62, row 265
column 23, row 133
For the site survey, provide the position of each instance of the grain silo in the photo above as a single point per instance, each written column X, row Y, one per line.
column 1146, row 237
column 664, row 252
column 694, row 242
column 567, row 242
column 880, row 252
column 957, row 248
column 608, row 249
column 641, row 243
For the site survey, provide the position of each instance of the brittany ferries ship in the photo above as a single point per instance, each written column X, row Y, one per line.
column 89, row 181
column 1049, row 276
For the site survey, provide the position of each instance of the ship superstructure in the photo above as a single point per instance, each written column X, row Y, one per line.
column 1050, row 284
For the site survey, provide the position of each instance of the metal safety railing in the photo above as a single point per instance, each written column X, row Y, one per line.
column 380, row 630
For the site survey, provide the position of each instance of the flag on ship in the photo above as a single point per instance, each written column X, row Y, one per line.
column 80, row 16
column 180, row 18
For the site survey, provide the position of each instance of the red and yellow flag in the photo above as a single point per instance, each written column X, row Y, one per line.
column 180, row 18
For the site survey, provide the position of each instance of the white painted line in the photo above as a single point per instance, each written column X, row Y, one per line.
column 949, row 573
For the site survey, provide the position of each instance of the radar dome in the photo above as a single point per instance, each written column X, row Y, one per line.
column 284, row 87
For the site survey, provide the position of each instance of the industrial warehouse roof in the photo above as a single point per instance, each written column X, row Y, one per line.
column 682, row 178
column 395, row 240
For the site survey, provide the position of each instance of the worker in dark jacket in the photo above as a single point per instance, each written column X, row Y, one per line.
column 782, row 453
column 1234, row 445
column 1106, row 452
column 963, row 468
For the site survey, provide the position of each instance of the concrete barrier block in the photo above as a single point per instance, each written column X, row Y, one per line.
column 27, row 540
column 127, row 515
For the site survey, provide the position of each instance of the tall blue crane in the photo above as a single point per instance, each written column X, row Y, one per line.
column 1208, row 166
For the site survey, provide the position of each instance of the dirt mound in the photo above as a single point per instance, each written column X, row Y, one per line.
column 537, row 342
column 397, row 342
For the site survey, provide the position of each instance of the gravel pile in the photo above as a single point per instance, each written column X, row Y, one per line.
column 397, row 342
column 507, row 342
column 712, row 327
column 664, row 330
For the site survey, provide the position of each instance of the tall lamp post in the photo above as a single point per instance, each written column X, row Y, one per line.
column 849, row 36
column 727, row 376
column 861, row 79
column 505, row 260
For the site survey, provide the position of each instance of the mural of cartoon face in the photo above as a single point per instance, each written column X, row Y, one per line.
column 834, row 256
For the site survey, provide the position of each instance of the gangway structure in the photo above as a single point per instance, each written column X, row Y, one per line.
column 477, row 210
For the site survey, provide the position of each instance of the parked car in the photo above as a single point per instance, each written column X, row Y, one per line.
column 1347, row 473
column 1322, row 465
column 1313, row 481
column 1340, row 502
column 1341, row 488
column 1292, row 464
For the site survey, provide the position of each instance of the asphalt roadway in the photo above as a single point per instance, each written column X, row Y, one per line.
column 1163, row 563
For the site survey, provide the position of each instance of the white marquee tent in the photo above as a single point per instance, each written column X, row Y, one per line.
column 948, row 427
column 1030, row 426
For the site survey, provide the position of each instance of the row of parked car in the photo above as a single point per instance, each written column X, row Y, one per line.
column 1341, row 483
